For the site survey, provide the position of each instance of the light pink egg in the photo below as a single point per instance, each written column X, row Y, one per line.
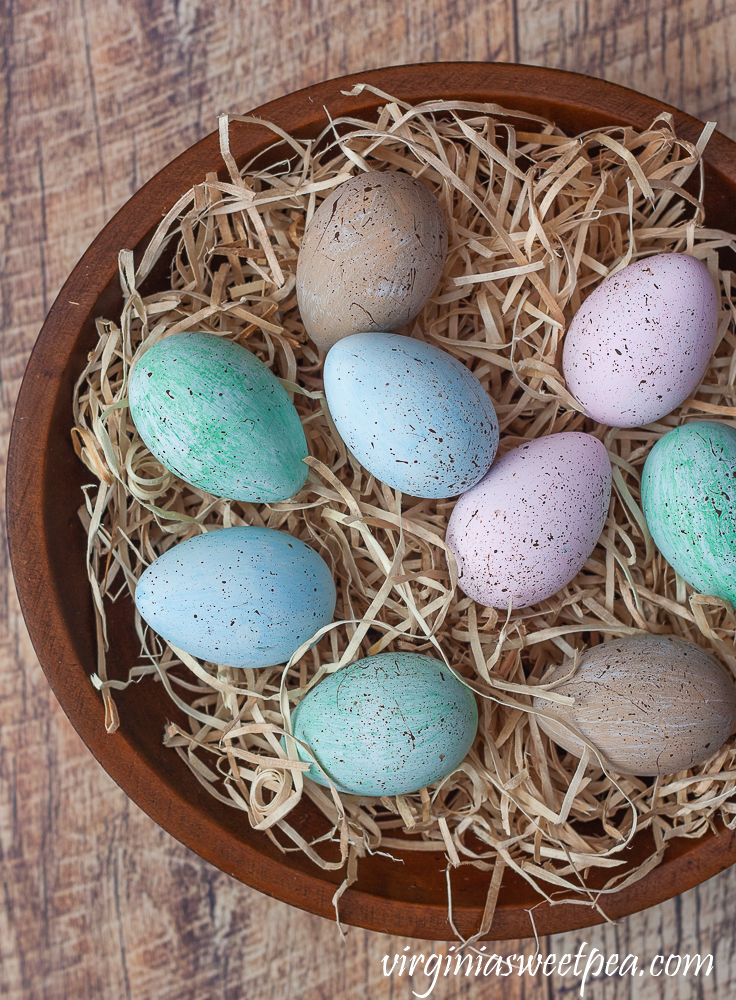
column 640, row 343
column 528, row 527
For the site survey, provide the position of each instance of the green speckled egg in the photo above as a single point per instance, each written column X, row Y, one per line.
column 214, row 414
column 387, row 725
column 688, row 490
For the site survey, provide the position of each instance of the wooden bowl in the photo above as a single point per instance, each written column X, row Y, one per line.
column 47, row 542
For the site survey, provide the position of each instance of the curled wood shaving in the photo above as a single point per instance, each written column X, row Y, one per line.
column 537, row 220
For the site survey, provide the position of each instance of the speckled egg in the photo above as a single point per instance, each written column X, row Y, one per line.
column 640, row 343
column 371, row 256
column 214, row 414
column 241, row 597
column 688, row 491
column 530, row 524
column 413, row 416
column 652, row 704
column 387, row 725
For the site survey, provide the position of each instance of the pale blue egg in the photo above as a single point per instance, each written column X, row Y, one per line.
column 413, row 416
column 242, row 597
column 387, row 725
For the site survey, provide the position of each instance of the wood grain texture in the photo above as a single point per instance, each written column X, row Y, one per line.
column 98, row 902
column 681, row 51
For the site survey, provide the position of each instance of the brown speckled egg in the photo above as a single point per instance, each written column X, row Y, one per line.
column 527, row 528
column 652, row 704
column 371, row 257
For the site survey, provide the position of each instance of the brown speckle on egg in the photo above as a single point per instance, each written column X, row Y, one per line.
column 652, row 704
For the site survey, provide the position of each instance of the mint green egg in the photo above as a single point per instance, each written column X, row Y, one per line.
column 214, row 414
column 688, row 491
column 389, row 724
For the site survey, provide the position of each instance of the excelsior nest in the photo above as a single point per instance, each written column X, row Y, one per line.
column 537, row 220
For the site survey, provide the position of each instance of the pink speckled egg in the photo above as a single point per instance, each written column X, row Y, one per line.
column 640, row 343
column 527, row 528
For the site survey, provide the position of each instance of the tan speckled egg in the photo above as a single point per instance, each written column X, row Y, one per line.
column 371, row 256
column 652, row 704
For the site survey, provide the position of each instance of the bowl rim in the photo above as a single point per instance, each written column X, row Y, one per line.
column 686, row 863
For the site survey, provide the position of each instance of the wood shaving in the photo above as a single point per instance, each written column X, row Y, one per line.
column 537, row 220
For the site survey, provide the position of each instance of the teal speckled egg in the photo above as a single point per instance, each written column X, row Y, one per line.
column 688, row 490
column 214, row 414
column 387, row 725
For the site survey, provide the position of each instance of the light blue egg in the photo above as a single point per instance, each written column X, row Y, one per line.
column 387, row 725
column 413, row 416
column 241, row 597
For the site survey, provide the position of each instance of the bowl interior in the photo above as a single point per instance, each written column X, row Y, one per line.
column 47, row 540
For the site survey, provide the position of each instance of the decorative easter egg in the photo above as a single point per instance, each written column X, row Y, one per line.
column 214, row 414
column 652, row 704
column 530, row 524
column 640, row 343
column 688, row 492
column 241, row 597
column 371, row 256
column 413, row 416
column 386, row 725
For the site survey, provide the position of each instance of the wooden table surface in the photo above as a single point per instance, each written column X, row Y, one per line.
column 97, row 901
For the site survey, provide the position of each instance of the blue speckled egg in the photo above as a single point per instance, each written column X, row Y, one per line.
column 387, row 725
column 413, row 416
column 241, row 597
